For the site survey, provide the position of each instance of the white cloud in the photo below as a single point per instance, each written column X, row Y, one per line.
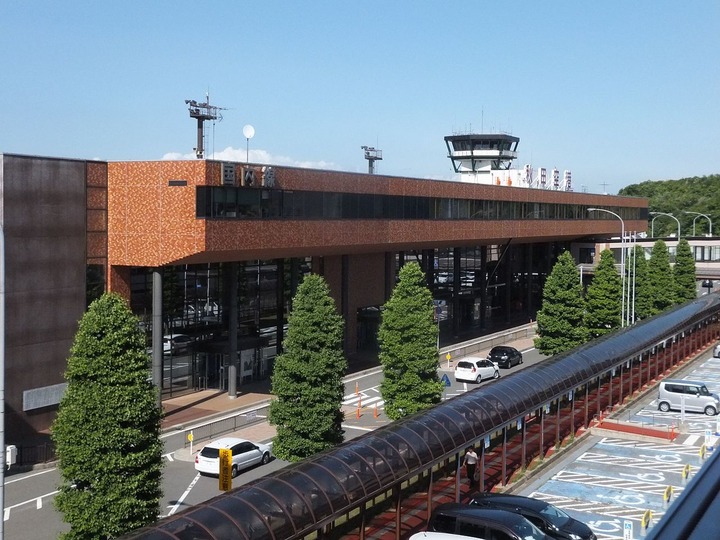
column 254, row 156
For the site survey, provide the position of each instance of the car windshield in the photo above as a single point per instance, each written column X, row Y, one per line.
column 527, row 531
column 465, row 365
column 704, row 391
column 554, row 515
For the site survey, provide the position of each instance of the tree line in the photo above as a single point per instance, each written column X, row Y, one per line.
column 571, row 315
column 108, row 425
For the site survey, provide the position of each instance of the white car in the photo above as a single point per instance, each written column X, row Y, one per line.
column 244, row 454
column 716, row 351
column 176, row 343
column 476, row 369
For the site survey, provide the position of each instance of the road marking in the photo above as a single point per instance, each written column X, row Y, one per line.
column 36, row 500
column 610, row 482
column 691, row 440
column 30, row 476
column 347, row 426
column 169, row 456
column 182, row 497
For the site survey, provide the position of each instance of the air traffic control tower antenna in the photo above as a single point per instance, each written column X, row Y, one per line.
column 202, row 111
column 372, row 155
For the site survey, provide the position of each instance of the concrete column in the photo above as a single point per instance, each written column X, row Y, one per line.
column 232, row 281
column 157, row 331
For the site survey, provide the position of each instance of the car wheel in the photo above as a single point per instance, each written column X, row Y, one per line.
column 234, row 471
column 479, row 379
column 496, row 375
column 664, row 406
column 265, row 458
column 710, row 410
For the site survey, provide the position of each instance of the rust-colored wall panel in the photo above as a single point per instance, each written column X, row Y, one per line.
column 96, row 246
column 153, row 224
column 97, row 197
column 97, row 174
column 118, row 280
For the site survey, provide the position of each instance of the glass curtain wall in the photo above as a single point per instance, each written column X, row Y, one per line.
column 196, row 317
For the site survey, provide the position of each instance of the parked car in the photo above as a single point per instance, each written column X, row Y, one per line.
column 476, row 522
column 672, row 393
column 716, row 351
column 505, row 357
column 473, row 369
column 546, row 517
column 244, row 454
column 176, row 343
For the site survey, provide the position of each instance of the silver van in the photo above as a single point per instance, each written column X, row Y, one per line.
column 695, row 394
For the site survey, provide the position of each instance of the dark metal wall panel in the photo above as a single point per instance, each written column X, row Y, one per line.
column 43, row 206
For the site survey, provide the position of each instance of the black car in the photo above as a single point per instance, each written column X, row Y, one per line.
column 476, row 522
column 546, row 517
column 505, row 357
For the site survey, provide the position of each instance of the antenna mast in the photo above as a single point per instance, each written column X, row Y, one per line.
column 372, row 155
column 202, row 111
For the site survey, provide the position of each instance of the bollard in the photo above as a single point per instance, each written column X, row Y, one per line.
column 667, row 496
column 357, row 412
column 375, row 413
column 646, row 521
column 357, row 389
column 686, row 473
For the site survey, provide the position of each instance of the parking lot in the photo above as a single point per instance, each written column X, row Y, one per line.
column 616, row 484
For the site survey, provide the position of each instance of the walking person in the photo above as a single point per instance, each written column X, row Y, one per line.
column 470, row 463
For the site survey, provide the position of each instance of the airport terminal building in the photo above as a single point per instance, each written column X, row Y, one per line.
column 209, row 255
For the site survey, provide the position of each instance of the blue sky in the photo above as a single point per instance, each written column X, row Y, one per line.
column 618, row 91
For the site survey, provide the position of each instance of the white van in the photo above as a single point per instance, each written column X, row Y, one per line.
column 432, row 535
column 695, row 394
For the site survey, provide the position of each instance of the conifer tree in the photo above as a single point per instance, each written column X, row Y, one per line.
column 660, row 278
column 641, row 302
column 560, row 321
column 107, row 432
column 603, row 297
column 684, row 273
column 408, row 347
column 308, row 376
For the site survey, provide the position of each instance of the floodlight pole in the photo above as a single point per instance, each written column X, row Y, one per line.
column 698, row 214
column 622, row 258
column 664, row 214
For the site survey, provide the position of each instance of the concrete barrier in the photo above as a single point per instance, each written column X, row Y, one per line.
column 483, row 343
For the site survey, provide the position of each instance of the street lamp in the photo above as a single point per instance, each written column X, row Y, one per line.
column 622, row 258
column 652, row 223
column 697, row 216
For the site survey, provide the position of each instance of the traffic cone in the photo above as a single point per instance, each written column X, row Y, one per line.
column 375, row 413
column 357, row 389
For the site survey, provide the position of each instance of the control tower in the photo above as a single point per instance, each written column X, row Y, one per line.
column 481, row 158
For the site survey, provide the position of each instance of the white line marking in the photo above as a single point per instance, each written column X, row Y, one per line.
column 30, row 476
column 38, row 503
column 182, row 497
column 345, row 426
column 691, row 440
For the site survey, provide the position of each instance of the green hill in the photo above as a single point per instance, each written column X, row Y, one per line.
column 696, row 194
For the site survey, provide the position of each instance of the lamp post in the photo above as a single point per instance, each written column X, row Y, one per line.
column 652, row 223
column 622, row 258
column 697, row 216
